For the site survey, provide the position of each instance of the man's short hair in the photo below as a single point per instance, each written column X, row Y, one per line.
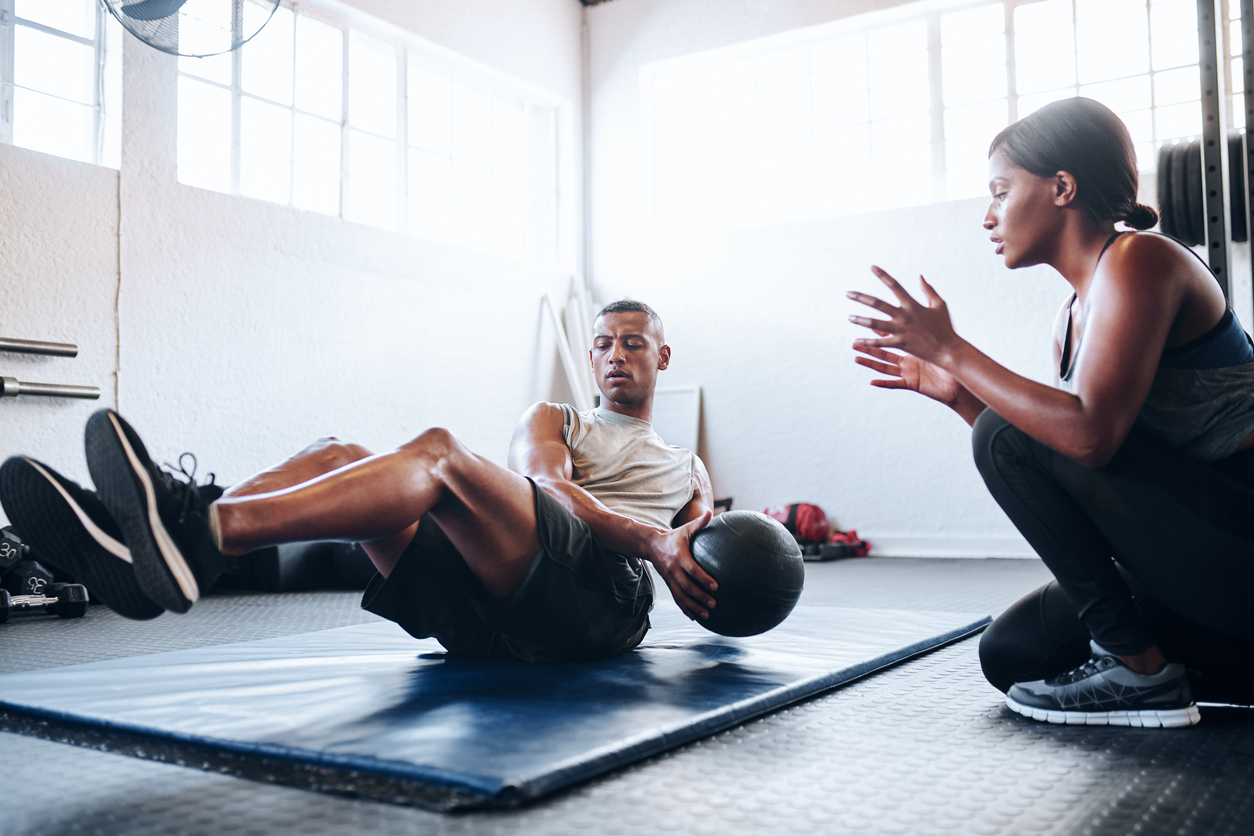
column 632, row 306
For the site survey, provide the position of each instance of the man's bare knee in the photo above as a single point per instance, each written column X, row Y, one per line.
column 435, row 449
column 334, row 454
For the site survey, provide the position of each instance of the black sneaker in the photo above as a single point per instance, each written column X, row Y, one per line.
column 69, row 528
column 163, row 518
column 1106, row 692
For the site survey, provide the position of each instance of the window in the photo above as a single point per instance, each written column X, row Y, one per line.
column 373, row 125
column 899, row 107
column 61, row 79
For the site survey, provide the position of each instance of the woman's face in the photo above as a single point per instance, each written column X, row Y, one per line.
column 1025, row 213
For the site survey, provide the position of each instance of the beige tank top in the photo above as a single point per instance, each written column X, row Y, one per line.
column 622, row 462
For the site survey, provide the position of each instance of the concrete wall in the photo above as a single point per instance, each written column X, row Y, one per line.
column 240, row 330
column 758, row 317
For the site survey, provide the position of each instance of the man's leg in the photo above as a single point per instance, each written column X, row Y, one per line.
column 321, row 457
column 487, row 511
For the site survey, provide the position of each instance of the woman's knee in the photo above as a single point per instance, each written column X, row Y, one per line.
column 1037, row 636
column 999, row 652
column 995, row 441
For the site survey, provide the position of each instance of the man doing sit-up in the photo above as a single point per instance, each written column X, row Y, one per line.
column 543, row 561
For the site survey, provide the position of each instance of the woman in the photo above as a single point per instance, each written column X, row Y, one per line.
column 1143, row 452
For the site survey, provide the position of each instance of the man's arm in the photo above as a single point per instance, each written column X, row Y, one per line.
column 702, row 495
column 538, row 450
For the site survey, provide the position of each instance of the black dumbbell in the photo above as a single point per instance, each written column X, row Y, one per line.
column 28, row 577
column 67, row 600
column 71, row 600
column 12, row 550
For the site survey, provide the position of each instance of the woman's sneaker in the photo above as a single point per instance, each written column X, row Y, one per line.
column 164, row 518
column 1106, row 692
column 69, row 528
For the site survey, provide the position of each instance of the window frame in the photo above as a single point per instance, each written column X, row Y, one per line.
column 103, row 118
column 404, row 44
column 929, row 10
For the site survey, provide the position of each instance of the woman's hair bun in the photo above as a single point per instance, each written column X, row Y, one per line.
column 1141, row 216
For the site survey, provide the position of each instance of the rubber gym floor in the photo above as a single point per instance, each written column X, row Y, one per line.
column 925, row 747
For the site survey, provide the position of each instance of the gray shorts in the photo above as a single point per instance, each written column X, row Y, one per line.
column 577, row 601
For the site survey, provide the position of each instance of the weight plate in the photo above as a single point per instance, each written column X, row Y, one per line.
column 1238, row 217
column 1179, row 202
column 1196, row 186
column 1165, row 224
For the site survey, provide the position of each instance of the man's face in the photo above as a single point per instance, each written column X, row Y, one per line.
column 627, row 353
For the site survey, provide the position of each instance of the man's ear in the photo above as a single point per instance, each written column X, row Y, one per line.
column 1065, row 188
column 664, row 358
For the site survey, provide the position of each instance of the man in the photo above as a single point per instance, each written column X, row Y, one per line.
column 541, row 561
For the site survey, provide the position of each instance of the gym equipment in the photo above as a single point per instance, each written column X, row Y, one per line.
column 67, row 600
column 28, row 577
column 12, row 549
column 757, row 564
column 300, row 567
column 11, row 387
column 201, row 30
column 368, row 710
column 819, row 552
column 38, row 347
column 1181, row 193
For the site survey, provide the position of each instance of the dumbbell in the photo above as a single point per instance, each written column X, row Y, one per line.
column 12, row 550
column 28, row 577
column 67, row 600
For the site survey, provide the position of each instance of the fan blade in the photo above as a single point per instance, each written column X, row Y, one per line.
column 152, row 9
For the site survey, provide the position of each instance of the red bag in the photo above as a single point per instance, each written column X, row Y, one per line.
column 806, row 522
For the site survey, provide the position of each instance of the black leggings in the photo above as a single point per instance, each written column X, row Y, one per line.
column 1153, row 548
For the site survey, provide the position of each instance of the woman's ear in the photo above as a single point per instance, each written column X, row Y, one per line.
column 1065, row 188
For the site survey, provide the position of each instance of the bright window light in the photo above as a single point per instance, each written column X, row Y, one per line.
column 899, row 107
column 339, row 118
column 73, row 17
column 60, row 79
column 204, row 135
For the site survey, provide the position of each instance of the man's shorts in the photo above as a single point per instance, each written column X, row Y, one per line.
column 577, row 601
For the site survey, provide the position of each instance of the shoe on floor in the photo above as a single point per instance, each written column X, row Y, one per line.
column 69, row 528
column 1106, row 692
column 164, row 518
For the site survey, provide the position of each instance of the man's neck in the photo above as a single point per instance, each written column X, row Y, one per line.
column 642, row 410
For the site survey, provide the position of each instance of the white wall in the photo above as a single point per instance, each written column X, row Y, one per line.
column 58, row 282
column 240, row 330
column 758, row 317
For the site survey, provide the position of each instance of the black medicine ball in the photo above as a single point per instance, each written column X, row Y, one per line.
column 759, row 571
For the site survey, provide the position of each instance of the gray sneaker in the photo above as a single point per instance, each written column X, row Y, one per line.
column 1106, row 692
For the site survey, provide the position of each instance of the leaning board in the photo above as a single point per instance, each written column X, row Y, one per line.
column 367, row 710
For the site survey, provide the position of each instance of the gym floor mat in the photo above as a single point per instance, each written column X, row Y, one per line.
column 367, row 710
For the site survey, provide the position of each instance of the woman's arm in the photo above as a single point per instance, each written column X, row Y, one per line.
column 1131, row 305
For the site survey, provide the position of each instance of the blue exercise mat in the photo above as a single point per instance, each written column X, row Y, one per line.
column 370, row 711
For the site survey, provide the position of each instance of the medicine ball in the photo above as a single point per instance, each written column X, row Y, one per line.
column 758, row 567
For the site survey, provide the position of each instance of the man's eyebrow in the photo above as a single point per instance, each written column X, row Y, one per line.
column 610, row 336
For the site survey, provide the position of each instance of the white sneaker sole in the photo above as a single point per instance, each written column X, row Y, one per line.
column 170, row 553
column 1171, row 718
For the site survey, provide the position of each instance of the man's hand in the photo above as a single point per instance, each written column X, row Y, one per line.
column 671, row 554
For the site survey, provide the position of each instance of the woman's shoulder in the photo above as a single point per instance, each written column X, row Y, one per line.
column 1141, row 257
column 1150, row 249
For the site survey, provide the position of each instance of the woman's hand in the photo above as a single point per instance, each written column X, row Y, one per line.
column 906, row 372
column 922, row 331
column 925, row 334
